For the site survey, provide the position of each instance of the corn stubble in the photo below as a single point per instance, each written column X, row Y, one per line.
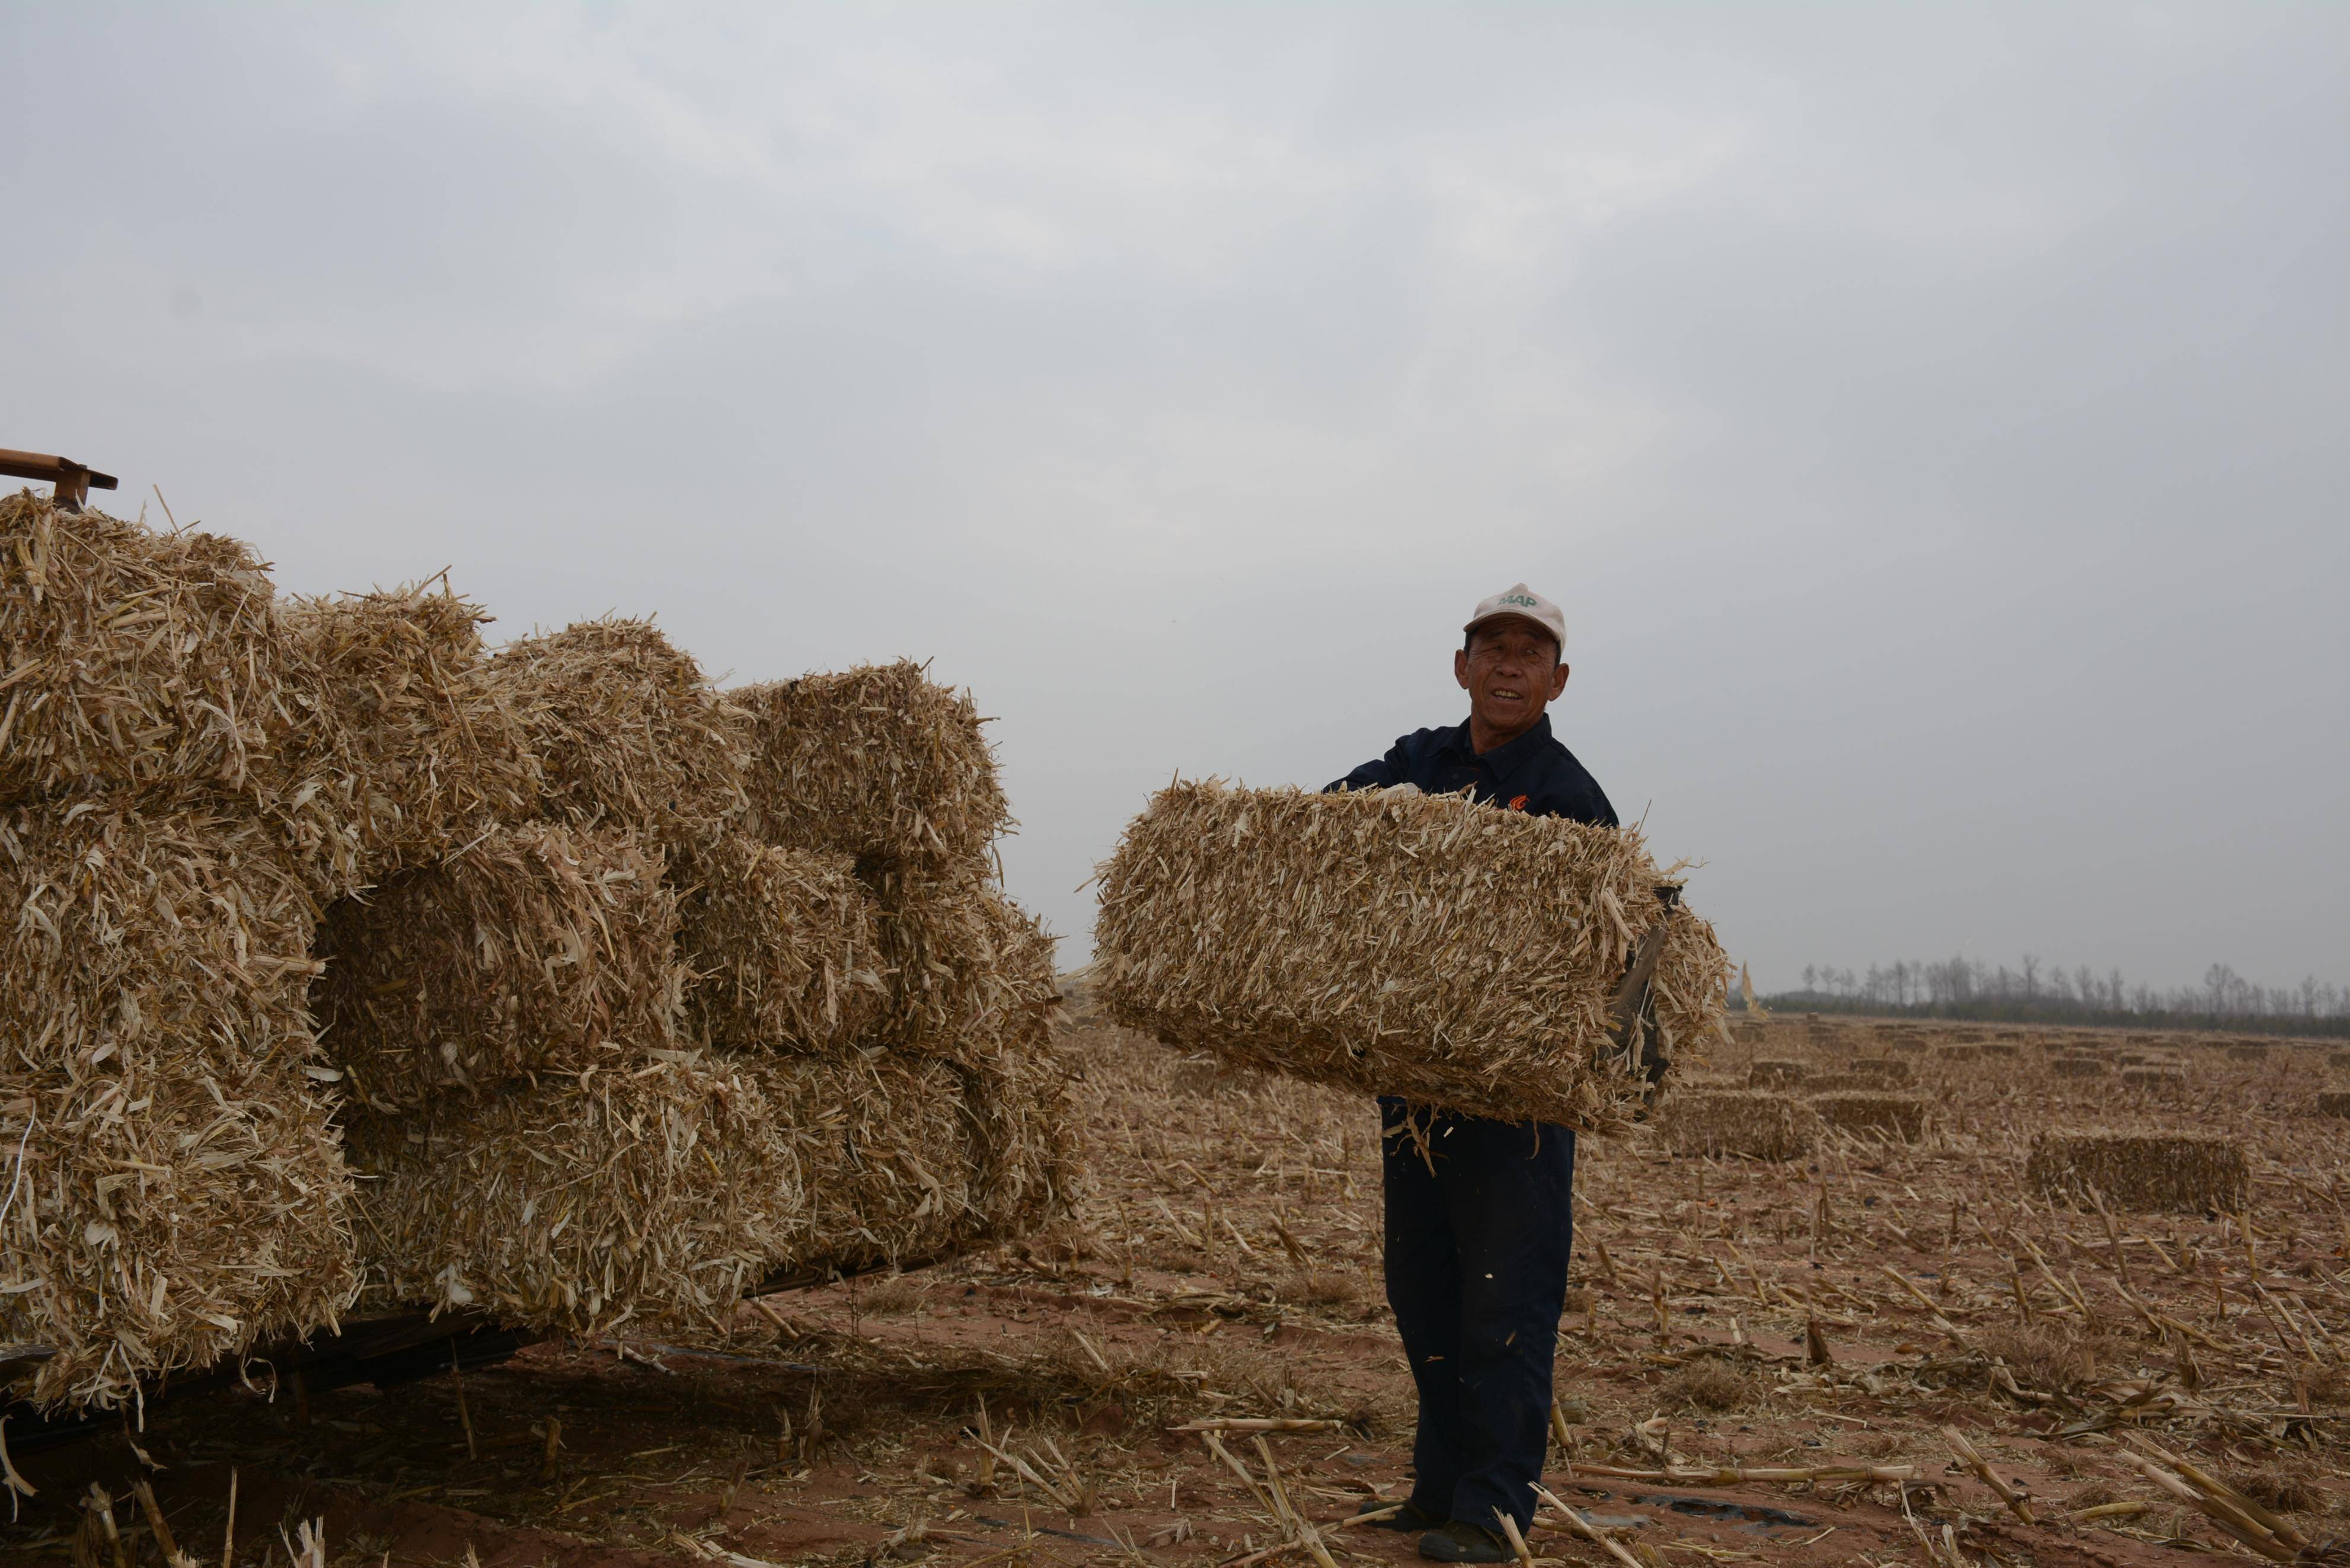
column 1399, row 943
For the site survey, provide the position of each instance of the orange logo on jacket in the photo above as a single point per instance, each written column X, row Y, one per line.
column 1517, row 803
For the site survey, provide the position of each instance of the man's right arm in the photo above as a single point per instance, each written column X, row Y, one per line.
column 1394, row 768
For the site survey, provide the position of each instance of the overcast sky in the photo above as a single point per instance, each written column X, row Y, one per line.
column 1932, row 421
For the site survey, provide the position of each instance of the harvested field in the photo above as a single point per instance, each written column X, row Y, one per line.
column 1223, row 1264
column 540, row 949
column 1227, row 914
column 785, row 950
column 2186, row 1173
column 879, row 763
column 626, row 729
column 404, row 727
column 1754, row 1125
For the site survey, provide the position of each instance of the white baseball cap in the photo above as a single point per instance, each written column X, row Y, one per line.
column 1521, row 601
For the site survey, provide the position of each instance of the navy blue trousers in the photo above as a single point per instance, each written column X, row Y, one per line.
column 1476, row 1251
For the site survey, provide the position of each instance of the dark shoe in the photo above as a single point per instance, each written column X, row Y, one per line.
column 1410, row 1516
column 1457, row 1541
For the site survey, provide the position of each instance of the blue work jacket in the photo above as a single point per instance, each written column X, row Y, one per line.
column 1533, row 773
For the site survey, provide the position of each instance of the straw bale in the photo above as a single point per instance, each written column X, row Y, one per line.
column 1021, row 1099
column 2153, row 1077
column 2077, row 1066
column 1901, row 1115
column 879, row 763
column 1735, row 1122
column 657, row 1196
column 628, row 731
column 1882, row 1069
column 539, row 949
column 2180, row 1172
column 2334, row 1102
column 968, row 969
column 132, row 659
column 785, row 948
column 1399, row 943
column 1956, row 1053
column 2338, row 1060
column 1771, row 1072
column 405, row 729
column 142, row 936
column 166, row 1212
column 2248, row 1051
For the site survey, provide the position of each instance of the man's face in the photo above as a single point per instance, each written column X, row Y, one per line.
column 1511, row 671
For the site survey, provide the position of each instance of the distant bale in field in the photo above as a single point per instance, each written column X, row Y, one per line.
column 541, row 949
column 2161, row 1078
column 1881, row 1069
column 2338, row 1060
column 2248, row 1051
column 2334, row 1103
column 1734, row 1122
column 2147, row 1172
column 1903, row 1115
column 166, row 1211
column 142, row 931
column 658, row 1195
column 784, row 949
column 1773, row 1073
column 133, row 658
column 405, row 728
column 2077, row 1067
column 2005, row 1049
column 1954, row 1054
column 1353, row 939
column 879, row 763
column 627, row 730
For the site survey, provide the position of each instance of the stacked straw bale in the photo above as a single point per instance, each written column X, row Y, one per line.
column 627, row 730
column 538, row 949
column 785, row 949
column 406, row 729
column 1755, row 1125
column 2191, row 1173
column 660, row 1194
column 133, row 658
column 1901, row 1116
column 877, row 762
column 176, row 1192
column 1773, row 1073
column 1399, row 943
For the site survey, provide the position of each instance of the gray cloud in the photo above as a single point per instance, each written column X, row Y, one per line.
column 1932, row 421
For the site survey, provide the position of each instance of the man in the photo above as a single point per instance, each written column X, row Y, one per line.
column 1478, row 1229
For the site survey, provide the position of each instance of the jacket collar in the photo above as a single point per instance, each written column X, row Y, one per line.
column 1510, row 756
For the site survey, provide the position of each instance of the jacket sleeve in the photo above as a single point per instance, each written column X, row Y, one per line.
column 1392, row 769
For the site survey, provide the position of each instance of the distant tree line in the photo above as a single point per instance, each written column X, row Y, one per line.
column 2039, row 992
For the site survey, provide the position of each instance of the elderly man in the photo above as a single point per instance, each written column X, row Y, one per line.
column 1480, row 1226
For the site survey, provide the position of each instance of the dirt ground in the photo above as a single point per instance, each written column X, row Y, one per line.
column 1840, row 1310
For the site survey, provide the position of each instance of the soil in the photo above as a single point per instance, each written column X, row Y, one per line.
column 1224, row 1264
